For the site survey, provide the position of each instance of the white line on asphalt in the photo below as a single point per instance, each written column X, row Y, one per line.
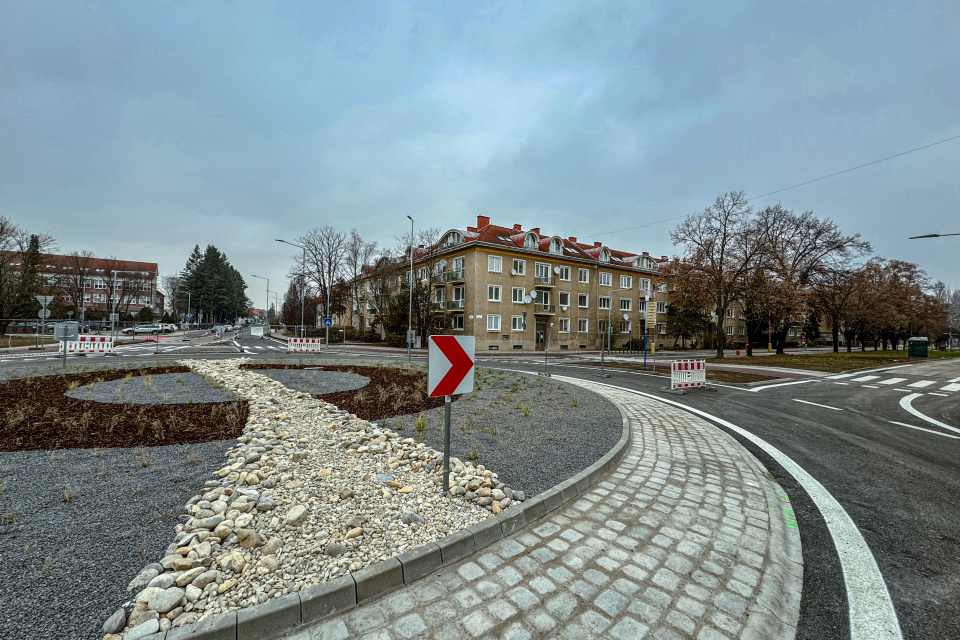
column 942, row 395
column 779, row 384
column 892, row 381
column 945, row 435
column 904, row 390
column 921, row 384
column 815, row 404
column 872, row 615
column 869, row 386
column 954, row 380
column 864, row 378
column 951, row 387
column 842, row 375
column 906, row 401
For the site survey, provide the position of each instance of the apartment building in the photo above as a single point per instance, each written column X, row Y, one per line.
column 105, row 283
column 516, row 289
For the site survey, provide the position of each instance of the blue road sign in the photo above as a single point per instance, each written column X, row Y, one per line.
column 328, row 322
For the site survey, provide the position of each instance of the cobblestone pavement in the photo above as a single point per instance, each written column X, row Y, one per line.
column 687, row 538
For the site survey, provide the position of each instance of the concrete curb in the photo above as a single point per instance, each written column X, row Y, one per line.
column 276, row 617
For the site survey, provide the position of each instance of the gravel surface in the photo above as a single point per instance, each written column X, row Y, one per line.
column 65, row 566
column 315, row 381
column 173, row 388
column 566, row 430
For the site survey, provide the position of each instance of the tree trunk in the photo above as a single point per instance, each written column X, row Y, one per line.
column 835, row 329
column 720, row 340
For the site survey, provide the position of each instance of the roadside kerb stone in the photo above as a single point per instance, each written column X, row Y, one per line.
column 686, row 538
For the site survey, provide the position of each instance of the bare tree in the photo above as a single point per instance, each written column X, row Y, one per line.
column 176, row 296
column 325, row 255
column 76, row 279
column 832, row 290
column 723, row 245
column 358, row 257
column 21, row 256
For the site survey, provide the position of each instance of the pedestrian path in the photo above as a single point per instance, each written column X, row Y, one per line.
column 896, row 382
column 687, row 538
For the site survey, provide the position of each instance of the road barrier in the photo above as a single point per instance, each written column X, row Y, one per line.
column 303, row 344
column 688, row 373
column 88, row 344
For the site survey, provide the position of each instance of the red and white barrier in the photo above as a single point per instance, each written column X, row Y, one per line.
column 88, row 344
column 303, row 344
column 688, row 373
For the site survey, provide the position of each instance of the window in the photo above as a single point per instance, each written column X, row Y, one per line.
column 605, row 279
column 626, row 282
column 564, row 325
column 643, row 284
column 661, row 307
column 86, row 297
column 493, row 323
column 602, row 326
column 145, row 286
column 518, row 294
column 520, row 266
column 565, row 273
column 494, row 264
column 99, row 284
column 642, row 306
column 440, row 294
column 144, row 300
column 729, row 313
column 493, row 293
column 624, row 326
column 458, row 264
column 662, row 328
column 742, row 330
column 729, row 329
column 662, row 287
column 516, row 323
column 453, row 238
column 541, row 297
column 604, row 302
column 422, row 273
column 530, row 241
column 457, row 322
column 583, row 275
column 564, row 298
column 458, row 293
column 100, row 297
column 742, row 315
column 582, row 325
column 542, row 270
column 604, row 255
column 583, row 300
column 556, row 245
column 625, row 304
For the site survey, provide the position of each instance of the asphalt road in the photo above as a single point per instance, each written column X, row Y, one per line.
column 898, row 484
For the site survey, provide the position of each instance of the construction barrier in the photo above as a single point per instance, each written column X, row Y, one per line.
column 688, row 373
column 88, row 344
column 303, row 344
column 256, row 331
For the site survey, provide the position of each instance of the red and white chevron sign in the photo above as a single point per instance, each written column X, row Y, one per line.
column 450, row 368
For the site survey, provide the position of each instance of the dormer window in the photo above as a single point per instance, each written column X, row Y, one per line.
column 556, row 246
column 454, row 237
column 531, row 241
column 604, row 255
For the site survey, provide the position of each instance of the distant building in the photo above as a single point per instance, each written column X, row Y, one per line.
column 102, row 284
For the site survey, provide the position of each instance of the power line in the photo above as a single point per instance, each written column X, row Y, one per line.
column 650, row 224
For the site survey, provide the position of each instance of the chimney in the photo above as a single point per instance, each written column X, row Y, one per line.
column 517, row 227
column 536, row 230
column 472, row 229
column 420, row 247
column 598, row 244
column 572, row 238
column 664, row 259
column 645, row 253
column 482, row 221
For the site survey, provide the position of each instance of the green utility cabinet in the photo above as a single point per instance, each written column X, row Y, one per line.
column 917, row 347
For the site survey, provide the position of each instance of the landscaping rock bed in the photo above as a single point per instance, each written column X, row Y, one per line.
column 76, row 524
column 165, row 388
column 316, row 382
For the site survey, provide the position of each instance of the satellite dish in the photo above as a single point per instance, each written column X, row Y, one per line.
column 513, row 272
column 564, row 307
column 479, row 317
column 626, row 316
column 527, row 299
column 471, row 317
column 556, row 270
column 442, row 263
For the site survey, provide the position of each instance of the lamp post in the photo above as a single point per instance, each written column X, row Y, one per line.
column 933, row 235
column 646, row 326
column 186, row 330
column 609, row 327
column 410, row 309
column 266, row 311
column 303, row 284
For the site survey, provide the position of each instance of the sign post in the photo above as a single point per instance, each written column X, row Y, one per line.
column 327, row 323
column 449, row 371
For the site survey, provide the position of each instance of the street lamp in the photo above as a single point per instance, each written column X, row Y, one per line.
column 186, row 330
column 410, row 308
column 933, row 235
column 609, row 329
column 303, row 284
column 266, row 311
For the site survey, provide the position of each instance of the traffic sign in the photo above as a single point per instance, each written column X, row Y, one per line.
column 44, row 314
column 450, row 365
column 328, row 322
column 44, row 300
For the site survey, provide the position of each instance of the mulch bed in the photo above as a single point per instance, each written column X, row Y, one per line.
column 391, row 392
column 36, row 414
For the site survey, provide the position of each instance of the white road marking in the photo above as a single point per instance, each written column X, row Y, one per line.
column 864, row 378
column 954, row 380
column 842, row 375
column 904, row 424
column 955, row 386
column 816, row 405
column 892, row 381
column 780, row 384
column 871, row 611
column 869, row 386
column 904, row 390
column 906, row 401
column 843, row 383
column 921, row 384
column 935, row 393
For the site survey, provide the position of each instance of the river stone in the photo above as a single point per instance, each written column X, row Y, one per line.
column 162, row 581
column 192, row 593
column 166, row 599
column 143, row 630
column 297, row 515
column 116, row 622
column 143, row 578
column 411, row 517
column 249, row 539
column 204, row 579
column 335, row 549
column 273, row 545
column 233, row 561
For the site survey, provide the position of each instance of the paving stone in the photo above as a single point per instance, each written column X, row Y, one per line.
column 610, row 602
column 470, row 571
column 523, row 597
column 594, row 621
column 478, row 622
column 365, row 619
column 596, row 577
column 410, row 626
column 541, row 621
column 681, row 622
column 583, row 589
column 488, row 588
column 542, row 586
column 560, row 574
column 629, row 629
column 490, row 561
column 516, row 632
column 501, row 609
column 562, row 605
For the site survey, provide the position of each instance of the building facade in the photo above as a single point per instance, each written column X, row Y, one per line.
column 516, row 289
column 102, row 285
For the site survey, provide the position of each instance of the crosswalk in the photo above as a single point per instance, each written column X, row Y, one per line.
column 897, row 383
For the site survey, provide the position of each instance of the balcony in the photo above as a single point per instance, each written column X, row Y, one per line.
column 454, row 304
column 437, row 278
column 439, row 306
column 548, row 281
column 453, row 276
column 544, row 309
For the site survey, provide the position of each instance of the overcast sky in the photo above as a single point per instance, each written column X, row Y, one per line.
column 139, row 129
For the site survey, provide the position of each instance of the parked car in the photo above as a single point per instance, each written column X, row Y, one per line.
column 152, row 329
column 166, row 327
